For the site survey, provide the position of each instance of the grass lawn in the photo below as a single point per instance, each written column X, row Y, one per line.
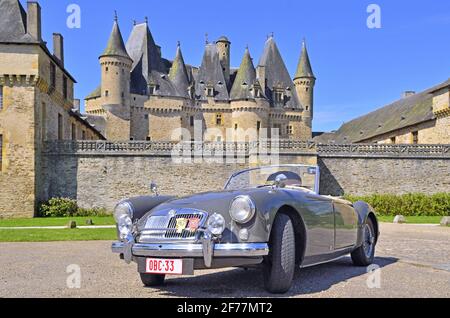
column 107, row 220
column 413, row 219
column 37, row 235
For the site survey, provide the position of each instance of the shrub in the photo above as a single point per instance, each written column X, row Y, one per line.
column 63, row 207
column 413, row 204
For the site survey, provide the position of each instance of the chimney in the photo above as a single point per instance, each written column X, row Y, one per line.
column 76, row 105
column 408, row 94
column 58, row 47
column 34, row 20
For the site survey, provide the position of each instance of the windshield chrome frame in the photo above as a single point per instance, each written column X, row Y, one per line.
column 316, row 181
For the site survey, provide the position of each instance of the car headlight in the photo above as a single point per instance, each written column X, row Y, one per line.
column 242, row 209
column 216, row 224
column 123, row 214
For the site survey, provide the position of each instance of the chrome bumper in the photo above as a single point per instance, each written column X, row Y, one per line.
column 191, row 250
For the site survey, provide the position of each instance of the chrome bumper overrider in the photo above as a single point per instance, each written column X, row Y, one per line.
column 206, row 250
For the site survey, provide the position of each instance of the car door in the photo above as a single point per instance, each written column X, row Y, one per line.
column 346, row 225
column 319, row 219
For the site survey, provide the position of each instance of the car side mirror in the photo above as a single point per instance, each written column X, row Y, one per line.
column 154, row 188
column 280, row 181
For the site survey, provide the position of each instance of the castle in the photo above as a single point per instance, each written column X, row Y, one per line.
column 143, row 96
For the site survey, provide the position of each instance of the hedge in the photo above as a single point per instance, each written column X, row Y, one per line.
column 413, row 204
column 63, row 207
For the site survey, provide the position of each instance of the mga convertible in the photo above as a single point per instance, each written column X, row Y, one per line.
column 270, row 217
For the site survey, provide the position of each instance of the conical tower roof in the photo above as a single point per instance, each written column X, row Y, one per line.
column 178, row 74
column 304, row 68
column 210, row 74
column 116, row 45
column 245, row 78
column 276, row 73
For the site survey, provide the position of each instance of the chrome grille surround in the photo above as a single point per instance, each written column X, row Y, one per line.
column 162, row 226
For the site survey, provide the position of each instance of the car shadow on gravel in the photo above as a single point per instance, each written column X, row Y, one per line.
column 248, row 283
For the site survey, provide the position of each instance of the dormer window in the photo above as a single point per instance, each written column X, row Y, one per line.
column 152, row 89
column 257, row 92
column 210, row 91
column 278, row 97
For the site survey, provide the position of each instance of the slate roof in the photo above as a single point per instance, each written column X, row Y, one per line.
column 304, row 68
column 245, row 78
column 277, row 74
column 148, row 66
column 405, row 112
column 179, row 75
column 13, row 23
column 211, row 74
column 115, row 44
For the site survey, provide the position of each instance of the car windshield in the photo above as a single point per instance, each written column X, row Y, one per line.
column 294, row 175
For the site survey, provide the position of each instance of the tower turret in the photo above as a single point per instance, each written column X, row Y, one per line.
column 223, row 46
column 116, row 66
column 305, row 81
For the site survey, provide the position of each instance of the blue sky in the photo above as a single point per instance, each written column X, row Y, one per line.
column 358, row 69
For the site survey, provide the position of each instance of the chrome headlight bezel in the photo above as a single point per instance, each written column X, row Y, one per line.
column 123, row 214
column 216, row 224
column 242, row 209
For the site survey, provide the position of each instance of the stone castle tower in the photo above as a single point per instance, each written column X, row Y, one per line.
column 143, row 96
column 115, row 85
column 305, row 81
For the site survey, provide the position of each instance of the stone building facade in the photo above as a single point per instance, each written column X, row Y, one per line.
column 36, row 104
column 417, row 118
column 143, row 96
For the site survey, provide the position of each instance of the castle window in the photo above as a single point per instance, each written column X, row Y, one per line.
column 393, row 140
column 191, row 121
column 106, row 93
column 210, row 91
column 235, row 126
column 52, row 75
column 1, row 97
column 290, row 130
column 307, row 89
column 123, row 94
column 74, row 132
column 83, row 135
column 307, row 108
column 258, row 126
column 415, row 137
column 1, row 152
column 106, row 69
column 60, row 127
column 149, row 139
column 65, row 87
column 218, row 119
column 146, row 116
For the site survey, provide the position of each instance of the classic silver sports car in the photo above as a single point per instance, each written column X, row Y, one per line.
column 271, row 217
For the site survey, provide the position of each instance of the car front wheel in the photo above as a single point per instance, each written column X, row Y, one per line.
column 365, row 254
column 151, row 280
column 279, row 265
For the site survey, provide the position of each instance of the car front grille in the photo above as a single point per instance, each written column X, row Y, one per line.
column 164, row 227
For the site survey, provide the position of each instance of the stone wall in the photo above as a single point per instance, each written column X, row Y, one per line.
column 369, row 169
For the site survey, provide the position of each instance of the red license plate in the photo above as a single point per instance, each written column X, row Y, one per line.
column 164, row 266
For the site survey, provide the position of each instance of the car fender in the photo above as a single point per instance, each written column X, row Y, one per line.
column 364, row 211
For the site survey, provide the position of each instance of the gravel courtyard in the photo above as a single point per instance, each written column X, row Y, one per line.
column 414, row 262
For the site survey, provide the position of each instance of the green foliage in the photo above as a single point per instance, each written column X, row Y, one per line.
column 413, row 204
column 63, row 207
